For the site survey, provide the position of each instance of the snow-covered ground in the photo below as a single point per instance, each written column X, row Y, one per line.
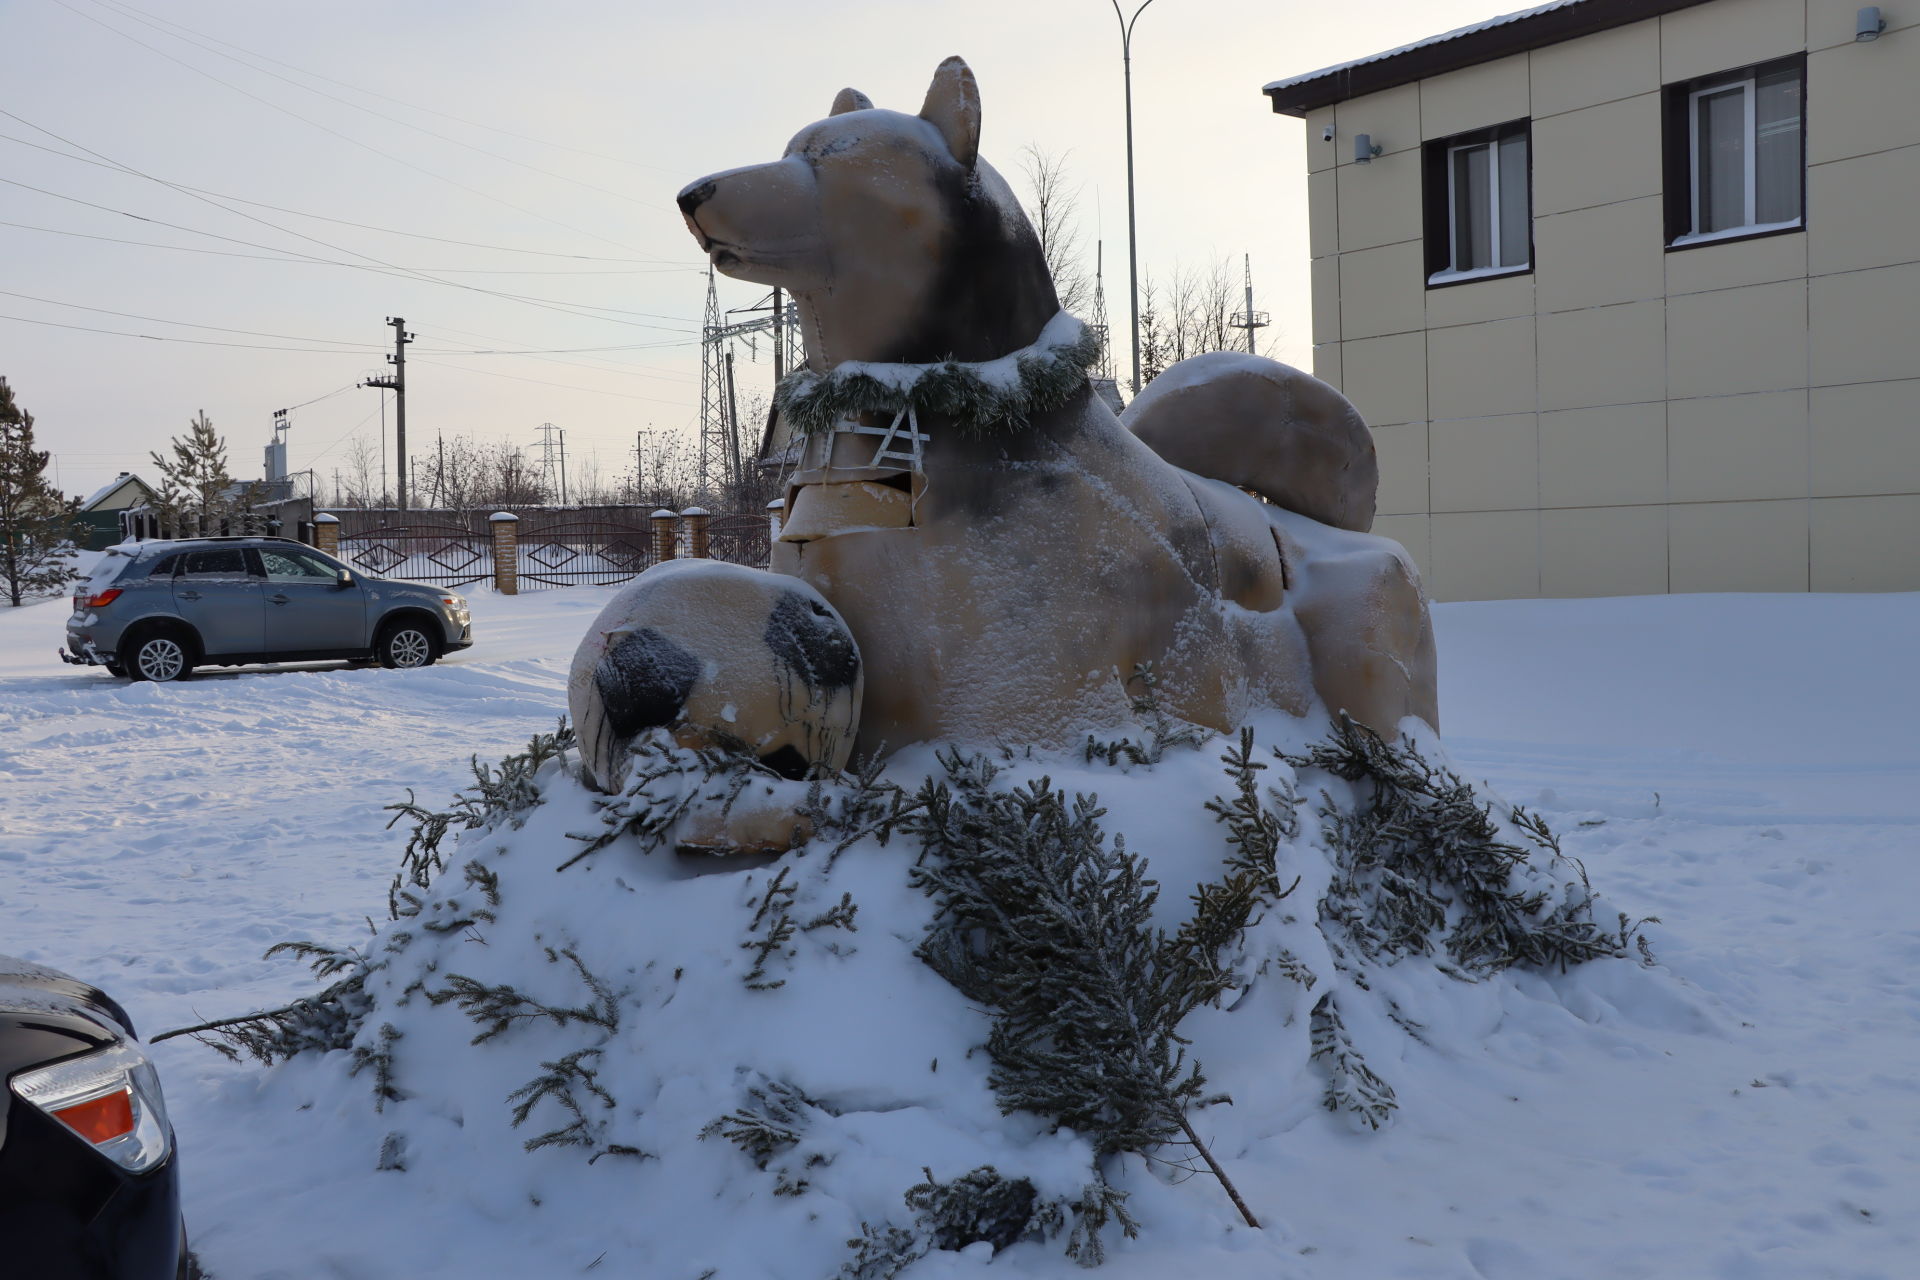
column 1743, row 767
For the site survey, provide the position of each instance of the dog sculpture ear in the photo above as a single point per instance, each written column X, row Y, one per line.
column 953, row 107
column 850, row 100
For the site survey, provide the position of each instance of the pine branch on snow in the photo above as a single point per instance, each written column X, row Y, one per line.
column 564, row 1082
column 983, row 1206
column 496, row 1008
column 1049, row 926
column 1351, row 1085
column 1163, row 730
column 1419, row 861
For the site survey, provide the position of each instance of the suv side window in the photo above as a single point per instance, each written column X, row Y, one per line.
column 287, row 565
column 164, row 566
column 217, row 562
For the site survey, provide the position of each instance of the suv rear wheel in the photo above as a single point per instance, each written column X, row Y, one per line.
column 159, row 655
column 405, row 644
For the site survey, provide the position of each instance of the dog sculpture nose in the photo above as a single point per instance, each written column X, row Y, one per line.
column 693, row 195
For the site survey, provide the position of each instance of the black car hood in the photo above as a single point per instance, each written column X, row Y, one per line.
column 46, row 1015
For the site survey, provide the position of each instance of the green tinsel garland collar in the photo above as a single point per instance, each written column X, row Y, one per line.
column 982, row 396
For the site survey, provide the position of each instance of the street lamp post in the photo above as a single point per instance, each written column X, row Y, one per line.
column 1133, row 243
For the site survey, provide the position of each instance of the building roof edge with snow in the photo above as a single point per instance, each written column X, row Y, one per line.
column 1467, row 46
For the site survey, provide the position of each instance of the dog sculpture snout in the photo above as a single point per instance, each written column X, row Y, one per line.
column 694, row 195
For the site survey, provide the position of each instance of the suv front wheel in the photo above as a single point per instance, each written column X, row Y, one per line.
column 403, row 645
column 159, row 656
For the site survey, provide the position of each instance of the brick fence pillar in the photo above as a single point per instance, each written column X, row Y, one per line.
column 776, row 512
column 506, row 552
column 326, row 534
column 663, row 534
column 696, row 525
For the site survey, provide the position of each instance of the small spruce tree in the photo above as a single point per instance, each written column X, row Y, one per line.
column 195, row 492
column 37, row 525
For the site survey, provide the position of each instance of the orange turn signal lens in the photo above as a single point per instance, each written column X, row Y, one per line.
column 101, row 1119
column 104, row 598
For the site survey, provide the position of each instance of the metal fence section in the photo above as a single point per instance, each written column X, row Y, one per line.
column 741, row 539
column 583, row 553
column 443, row 554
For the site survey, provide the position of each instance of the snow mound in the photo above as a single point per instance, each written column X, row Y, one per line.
column 978, row 1012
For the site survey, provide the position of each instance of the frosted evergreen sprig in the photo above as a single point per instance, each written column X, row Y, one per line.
column 983, row 397
column 1046, row 922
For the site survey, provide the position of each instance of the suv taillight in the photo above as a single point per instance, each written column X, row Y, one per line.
column 97, row 600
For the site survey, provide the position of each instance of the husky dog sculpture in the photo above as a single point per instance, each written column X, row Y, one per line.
column 1004, row 550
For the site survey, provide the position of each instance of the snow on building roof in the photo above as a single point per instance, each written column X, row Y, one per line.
column 1496, row 37
column 108, row 489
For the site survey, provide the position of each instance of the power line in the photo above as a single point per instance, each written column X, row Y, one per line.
column 565, row 386
column 131, row 10
column 321, row 217
column 350, row 345
column 344, row 137
column 381, row 115
column 197, row 342
column 184, row 324
column 378, row 266
column 326, row 262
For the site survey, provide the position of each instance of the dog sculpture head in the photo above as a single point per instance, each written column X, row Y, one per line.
column 898, row 242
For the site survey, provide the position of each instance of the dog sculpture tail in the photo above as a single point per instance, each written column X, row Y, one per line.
column 1264, row 426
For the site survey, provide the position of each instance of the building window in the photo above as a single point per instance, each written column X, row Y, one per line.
column 1479, row 203
column 1735, row 154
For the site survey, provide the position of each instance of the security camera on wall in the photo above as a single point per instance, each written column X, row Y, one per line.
column 1326, row 134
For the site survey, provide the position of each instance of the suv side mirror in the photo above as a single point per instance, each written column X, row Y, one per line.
column 345, row 578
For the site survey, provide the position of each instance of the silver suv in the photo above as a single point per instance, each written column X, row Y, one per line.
column 156, row 610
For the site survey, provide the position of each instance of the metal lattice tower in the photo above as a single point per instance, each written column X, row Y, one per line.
column 727, row 444
column 1104, row 384
column 553, row 462
column 1249, row 319
column 716, row 420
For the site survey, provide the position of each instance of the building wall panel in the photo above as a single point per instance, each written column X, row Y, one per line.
column 1733, row 447
column 1738, row 546
column 1603, row 551
column 1485, row 464
column 1613, row 455
column 1603, row 355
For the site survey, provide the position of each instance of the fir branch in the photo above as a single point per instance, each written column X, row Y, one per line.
column 983, row 1205
column 378, row 1057
column 882, row 1253
column 495, row 1009
column 1041, row 920
column 1351, row 1085
column 771, row 1121
column 773, row 913
column 1419, row 862
column 1163, row 730
column 980, row 402
column 1099, row 1204
column 564, row 1082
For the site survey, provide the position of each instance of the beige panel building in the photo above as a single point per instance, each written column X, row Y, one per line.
column 1630, row 292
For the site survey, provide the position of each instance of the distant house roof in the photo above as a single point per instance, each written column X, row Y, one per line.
column 123, row 491
column 1496, row 37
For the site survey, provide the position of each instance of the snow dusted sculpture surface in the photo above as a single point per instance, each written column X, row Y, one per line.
column 720, row 655
column 1005, row 551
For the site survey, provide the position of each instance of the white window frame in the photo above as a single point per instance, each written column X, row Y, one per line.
column 1453, row 273
column 1747, row 87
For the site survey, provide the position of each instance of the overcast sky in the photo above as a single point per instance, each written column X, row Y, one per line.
column 563, row 131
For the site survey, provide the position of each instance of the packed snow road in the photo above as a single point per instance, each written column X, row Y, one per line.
column 1743, row 767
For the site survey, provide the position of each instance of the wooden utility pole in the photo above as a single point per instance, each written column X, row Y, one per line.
column 397, row 383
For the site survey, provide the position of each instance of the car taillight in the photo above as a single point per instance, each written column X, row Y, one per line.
column 97, row 600
column 110, row 1099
